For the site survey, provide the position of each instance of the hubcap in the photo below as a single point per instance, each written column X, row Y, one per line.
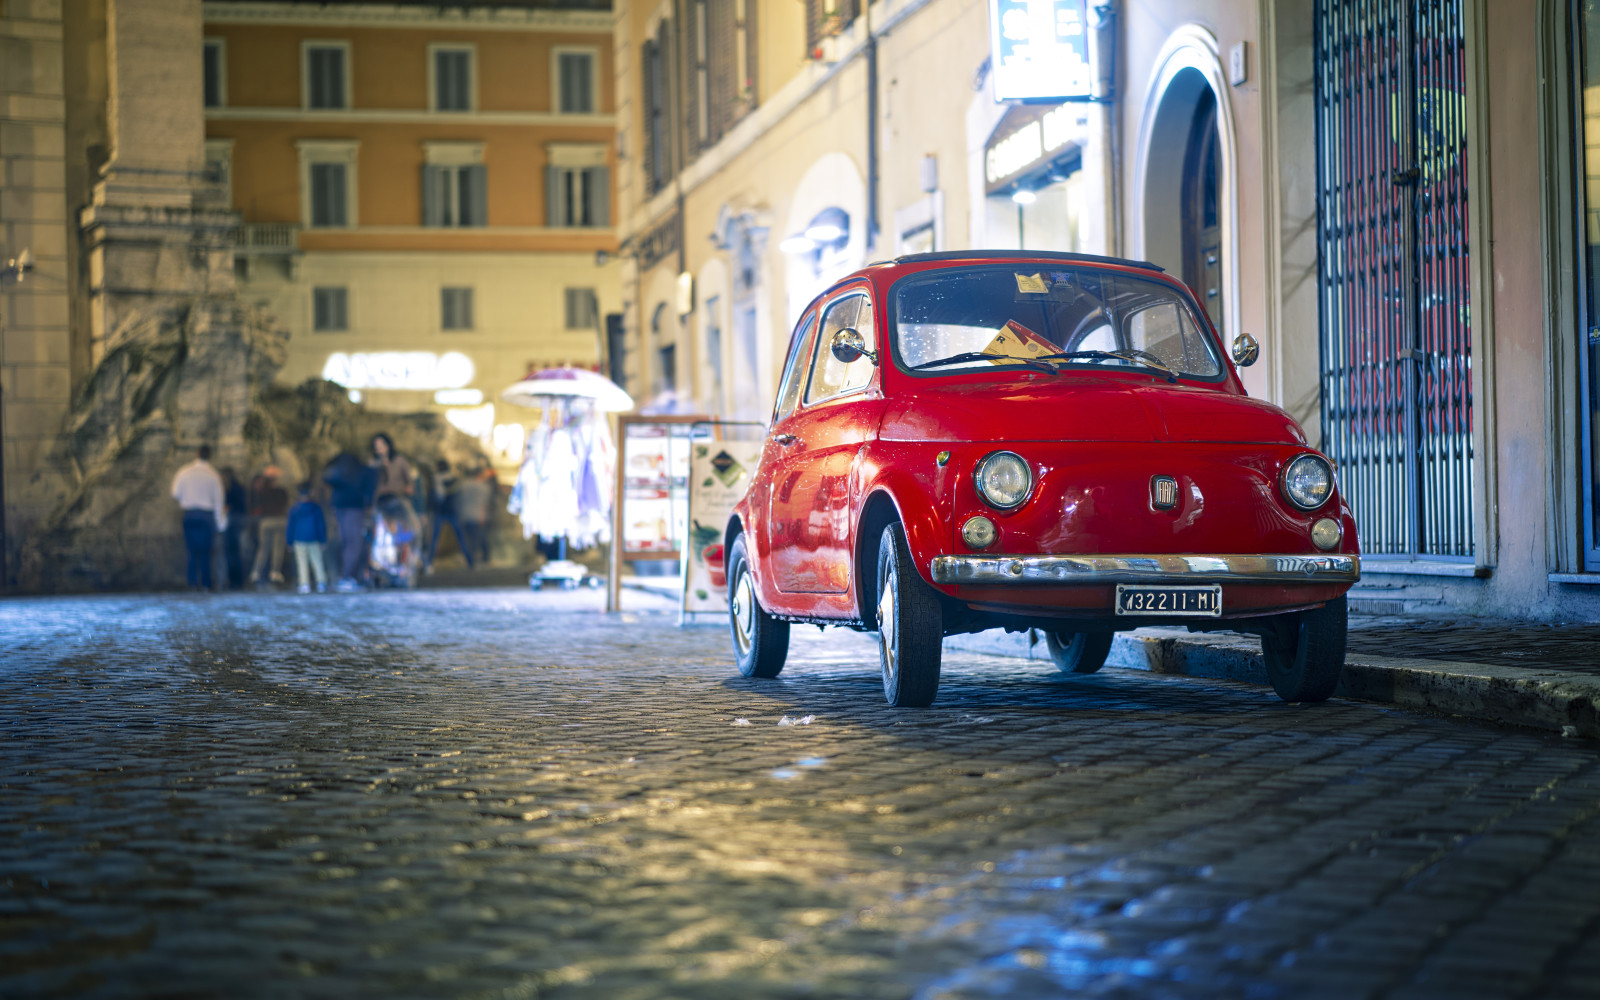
column 743, row 610
column 886, row 626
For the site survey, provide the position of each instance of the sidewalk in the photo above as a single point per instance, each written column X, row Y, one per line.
column 1515, row 672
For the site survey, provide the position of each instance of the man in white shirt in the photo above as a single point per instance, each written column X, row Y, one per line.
column 198, row 489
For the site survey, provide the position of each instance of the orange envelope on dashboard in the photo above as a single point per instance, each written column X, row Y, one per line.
column 1017, row 341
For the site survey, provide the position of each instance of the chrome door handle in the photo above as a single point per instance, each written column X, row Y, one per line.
column 785, row 439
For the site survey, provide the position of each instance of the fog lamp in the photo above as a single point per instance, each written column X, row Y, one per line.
column 1325, row 534
column 979, row 532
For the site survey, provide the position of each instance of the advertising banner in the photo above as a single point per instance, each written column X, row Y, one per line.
column 719, row 475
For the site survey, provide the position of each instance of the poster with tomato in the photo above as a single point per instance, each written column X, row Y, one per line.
column 719, row 475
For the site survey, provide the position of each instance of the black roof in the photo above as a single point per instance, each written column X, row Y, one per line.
column 1082, row 258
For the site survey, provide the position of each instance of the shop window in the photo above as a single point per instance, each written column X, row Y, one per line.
column 327, row 75
column 215, row 63
column 451, row 68
column 455, row 308
column 330, row 310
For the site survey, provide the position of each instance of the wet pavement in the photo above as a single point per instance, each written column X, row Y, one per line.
column 504, row 794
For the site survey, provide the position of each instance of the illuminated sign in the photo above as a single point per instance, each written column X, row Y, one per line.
column 399, row 370
column 1039, row 50
column 1031, row 143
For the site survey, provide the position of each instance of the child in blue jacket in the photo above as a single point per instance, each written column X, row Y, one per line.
column 308, row 531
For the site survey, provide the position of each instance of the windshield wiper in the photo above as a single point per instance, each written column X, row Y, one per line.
column 967, row 356
column 1132, row 355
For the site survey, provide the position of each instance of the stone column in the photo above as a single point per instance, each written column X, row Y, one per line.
column 35, row 379
column 150, row 241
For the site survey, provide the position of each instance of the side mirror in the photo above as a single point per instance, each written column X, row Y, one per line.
column 1245, row 350
column 848, row 345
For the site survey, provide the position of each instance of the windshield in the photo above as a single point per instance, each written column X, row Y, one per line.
column 957, row 320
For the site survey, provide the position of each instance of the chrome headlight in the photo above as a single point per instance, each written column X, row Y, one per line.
column 1004, row 480
column 1308, row 482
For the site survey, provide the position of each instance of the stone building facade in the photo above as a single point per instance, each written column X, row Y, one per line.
column 1386, row 193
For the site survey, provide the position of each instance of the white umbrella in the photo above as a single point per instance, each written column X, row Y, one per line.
column 544, row 388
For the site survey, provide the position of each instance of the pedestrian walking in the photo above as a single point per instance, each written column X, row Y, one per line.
column 352, row 485
column 237, row 499
column 308, row 532
column 445, row 484
column 272, row 522
column 198, row 490
column 472, row 507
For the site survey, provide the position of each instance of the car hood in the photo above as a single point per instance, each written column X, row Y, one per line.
column 1079, row 407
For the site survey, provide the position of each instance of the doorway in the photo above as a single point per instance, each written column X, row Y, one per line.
column 1182, row 195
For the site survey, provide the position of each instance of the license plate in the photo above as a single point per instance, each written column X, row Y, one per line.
column 1200, row 602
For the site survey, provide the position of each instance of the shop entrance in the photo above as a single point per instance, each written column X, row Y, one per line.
column 1392, row 277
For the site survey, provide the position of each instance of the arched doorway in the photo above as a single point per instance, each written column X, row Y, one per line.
column 1182, row 217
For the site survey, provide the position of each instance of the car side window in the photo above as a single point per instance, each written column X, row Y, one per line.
column 830, row 376
column 794, row 371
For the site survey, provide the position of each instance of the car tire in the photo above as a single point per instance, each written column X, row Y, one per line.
column 1079, row 652
column 760, row 641
column 910, row 625
column 1305, row 653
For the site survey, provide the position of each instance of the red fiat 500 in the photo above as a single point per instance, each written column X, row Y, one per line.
column 1008, row 439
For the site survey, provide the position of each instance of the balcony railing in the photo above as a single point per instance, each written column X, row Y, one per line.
column 263, row 239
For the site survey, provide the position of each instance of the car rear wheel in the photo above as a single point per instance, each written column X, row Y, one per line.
column 760, row 641
column 1305, row 653
column 910, row 625
column 1079, row 652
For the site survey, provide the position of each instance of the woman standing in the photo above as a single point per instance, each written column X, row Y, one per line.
column 394, row 472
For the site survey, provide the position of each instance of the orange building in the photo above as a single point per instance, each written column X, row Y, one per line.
column 419, row 185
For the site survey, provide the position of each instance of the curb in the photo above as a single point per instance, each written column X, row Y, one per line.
column 1554, row 700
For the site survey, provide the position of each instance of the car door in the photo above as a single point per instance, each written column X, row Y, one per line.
column 811, row 503
column 778, row 473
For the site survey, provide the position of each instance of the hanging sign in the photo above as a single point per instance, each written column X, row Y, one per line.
column 719, row 475
column 1039, row 50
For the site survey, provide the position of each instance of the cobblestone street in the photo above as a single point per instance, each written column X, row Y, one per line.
column 505, row 794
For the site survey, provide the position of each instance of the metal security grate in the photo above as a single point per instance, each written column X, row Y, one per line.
column 1392, row 270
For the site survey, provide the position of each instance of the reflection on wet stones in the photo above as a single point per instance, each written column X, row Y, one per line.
column 502, row 794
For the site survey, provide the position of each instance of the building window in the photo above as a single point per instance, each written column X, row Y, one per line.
column 327, row 75
column 455, row 196
column 327, row 183
column 216, row 85
column 454, row 86
column 583, row 311
column 825, row 18
column 219, row 168
column 455, row 308
column 330, row 310
column 1587, row 113
column 575, row 81
column 577, row 186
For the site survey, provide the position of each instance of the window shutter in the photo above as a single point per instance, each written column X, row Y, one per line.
column 722, row 66
column 553, row 216
column 475, row 196
column 647, row 75
column 597, row 193
column 432, row 211
column 752, row 72
column 338, row 185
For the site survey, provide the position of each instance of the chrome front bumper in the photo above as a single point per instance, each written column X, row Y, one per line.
column 1145, row 569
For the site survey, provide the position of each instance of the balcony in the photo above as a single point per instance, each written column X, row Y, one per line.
column 259, row 242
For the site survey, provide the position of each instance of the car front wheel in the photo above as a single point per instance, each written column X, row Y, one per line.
column 910, row 625
column 760, row 641
column 1305, row 652
column 1079, row 652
